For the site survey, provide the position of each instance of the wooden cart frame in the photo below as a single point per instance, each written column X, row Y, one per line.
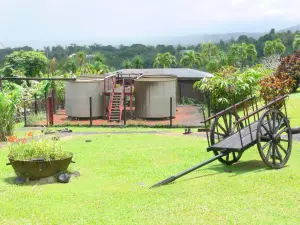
column 230, row 135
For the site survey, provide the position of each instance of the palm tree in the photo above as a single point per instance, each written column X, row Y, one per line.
column 250, row 51
column 138, row 62
column 191, row 59
column 209, row 50
column 273, row 47
column 166, row 60
column 240, row 52
column 126, row 64
column 98, row 57
column 296, row 43
column 81, row 57
column 234, row 53
column 52, row 65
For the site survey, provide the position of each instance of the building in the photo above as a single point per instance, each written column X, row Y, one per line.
column 186, row 78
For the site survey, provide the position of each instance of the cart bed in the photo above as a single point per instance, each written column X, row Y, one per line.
column 233, row 142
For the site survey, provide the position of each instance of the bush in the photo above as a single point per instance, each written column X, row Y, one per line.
column 230, row 85
column 273, row 87
column 8, row 108
column 291, row 65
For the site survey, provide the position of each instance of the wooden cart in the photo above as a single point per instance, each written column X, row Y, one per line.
column 230, row 134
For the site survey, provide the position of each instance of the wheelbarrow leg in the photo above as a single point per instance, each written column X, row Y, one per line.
column 172, row 178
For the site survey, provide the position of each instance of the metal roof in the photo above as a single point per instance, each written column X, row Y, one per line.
column 181, row 73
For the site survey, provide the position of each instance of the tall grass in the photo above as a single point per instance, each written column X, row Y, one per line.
column 8, row 107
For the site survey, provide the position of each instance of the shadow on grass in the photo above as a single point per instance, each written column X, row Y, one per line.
column 240, row 168
column 9, row 180
column 44, row 181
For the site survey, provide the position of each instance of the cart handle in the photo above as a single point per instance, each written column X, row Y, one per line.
column 229, row 108
column 261, row 108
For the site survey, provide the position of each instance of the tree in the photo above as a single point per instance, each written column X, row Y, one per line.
column 271, row 62
column 98, row 57
column 166, row 60
column 209, row 50
column 31, row 63
column 191, row 59
column 127, row 64
column 138, row 62
column 250, row 50
column 240, row 52
column 274, row 47
column 296, row 43
column 81, row 57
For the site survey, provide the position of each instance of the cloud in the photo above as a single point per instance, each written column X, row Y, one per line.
column 117, row 19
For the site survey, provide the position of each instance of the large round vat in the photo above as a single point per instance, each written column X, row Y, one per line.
column 152, row 96
column 78, row 92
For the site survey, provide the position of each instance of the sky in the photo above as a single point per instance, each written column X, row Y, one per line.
column 123, row 20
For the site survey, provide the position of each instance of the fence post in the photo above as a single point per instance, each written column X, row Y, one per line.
column 50, row 110
column 170, row 111
column 1, row 89
column 91, row 112
column 208, row 103
column 53, row 99
column 35, row 104
column 124, row 110
column 25, row 114
column 46, row 109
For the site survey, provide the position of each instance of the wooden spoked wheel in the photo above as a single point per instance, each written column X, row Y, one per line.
column 222, row 127
column 274, row 138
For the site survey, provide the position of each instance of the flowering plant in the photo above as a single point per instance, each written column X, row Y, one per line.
column 30, row 148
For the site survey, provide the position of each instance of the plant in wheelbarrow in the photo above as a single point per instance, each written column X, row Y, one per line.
column 33, row 158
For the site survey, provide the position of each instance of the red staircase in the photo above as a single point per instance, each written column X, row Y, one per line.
column 116, row 103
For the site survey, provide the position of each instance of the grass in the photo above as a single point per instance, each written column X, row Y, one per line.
column 117, row 171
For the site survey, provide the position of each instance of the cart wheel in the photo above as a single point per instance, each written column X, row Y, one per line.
column 274, row 138
column 222, row 127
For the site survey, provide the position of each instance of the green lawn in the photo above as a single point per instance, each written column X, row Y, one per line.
column 117, row 171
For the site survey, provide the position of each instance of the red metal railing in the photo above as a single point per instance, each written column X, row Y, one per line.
column 121, row 106
column 111, row 98
column 109, row 82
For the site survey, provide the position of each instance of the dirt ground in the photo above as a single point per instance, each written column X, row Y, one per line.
column 186, row 116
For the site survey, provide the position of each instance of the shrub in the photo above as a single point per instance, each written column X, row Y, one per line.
column 291, row 65
column 25, row 150
column 273, row 87
column 230, row 85
column 8, row 108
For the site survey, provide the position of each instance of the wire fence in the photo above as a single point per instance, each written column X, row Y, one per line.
column 35, row 112
column 93, row 111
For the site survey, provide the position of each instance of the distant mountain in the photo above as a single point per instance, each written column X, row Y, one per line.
column 195, row 39
column 292, row 29
column 166, row 40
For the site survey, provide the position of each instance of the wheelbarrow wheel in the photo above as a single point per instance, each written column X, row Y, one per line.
column 274, row 138
column 222, row 127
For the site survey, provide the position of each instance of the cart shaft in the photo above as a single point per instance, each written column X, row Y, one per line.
column 173, row 178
